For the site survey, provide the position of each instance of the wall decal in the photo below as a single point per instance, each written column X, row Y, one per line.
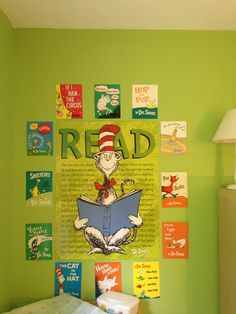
column 146, row 280
column 98, row 164
column 175, row 239
column 174, row 189
column 69, row 101
column 38, row 239
column 39, row 138
column 144, row 101
column 68, row 278
column 38, row 188
column 107, row 277
column 107, row 101
column 173, row 138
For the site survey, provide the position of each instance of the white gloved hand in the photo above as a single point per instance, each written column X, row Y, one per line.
column 137, row 221
column 80, row 223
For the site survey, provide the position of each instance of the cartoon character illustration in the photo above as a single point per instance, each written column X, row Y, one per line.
column 62, row 111
column 176, row 243
column 35, row 190
column 102, row 105
column 107, row 161
column 60, row 279
column 107, row 284
column 34, row 243
column 169, row 188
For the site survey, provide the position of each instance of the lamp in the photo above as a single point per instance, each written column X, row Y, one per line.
column 226, row 133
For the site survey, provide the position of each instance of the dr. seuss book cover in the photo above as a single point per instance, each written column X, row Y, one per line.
column 173, row 138
column 69, row 101
column 113, row 216
column 38, row 241
column 144, row 101
column 39, row 138
column 107, row 277
column 174, row 189
column 107, row 101
column 175, row 239
column 68, row 278
column 38, row 188
column 146, row 280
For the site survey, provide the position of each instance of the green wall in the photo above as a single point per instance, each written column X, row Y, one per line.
column 196, row 75
column 7, row 110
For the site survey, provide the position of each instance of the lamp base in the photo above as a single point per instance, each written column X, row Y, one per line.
column 231, row 187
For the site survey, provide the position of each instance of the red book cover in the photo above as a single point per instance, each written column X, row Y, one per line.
column 69, row 101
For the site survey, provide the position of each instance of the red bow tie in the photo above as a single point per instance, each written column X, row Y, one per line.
column 100, row 187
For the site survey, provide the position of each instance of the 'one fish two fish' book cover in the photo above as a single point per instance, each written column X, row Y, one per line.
column 38, row 188
column 112, row 217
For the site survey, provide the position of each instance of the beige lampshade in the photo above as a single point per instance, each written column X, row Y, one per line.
column 226, row 132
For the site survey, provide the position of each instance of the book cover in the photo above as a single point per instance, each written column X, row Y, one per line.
column 69, row 101
column 173, row 138
column 107, row 101
column 144, row 101
column 110, row 218
column 146, row 280
column 174, row 189
column 38, row 188
column 68, row 278
column 39, row 138
column 175, row 239
column 38, row 241
column 107, row 277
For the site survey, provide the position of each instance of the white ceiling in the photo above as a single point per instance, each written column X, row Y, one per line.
column 122, row 14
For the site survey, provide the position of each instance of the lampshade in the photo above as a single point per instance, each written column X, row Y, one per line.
column 226, row 132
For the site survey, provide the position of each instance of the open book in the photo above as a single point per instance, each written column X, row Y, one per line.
column 111, row 217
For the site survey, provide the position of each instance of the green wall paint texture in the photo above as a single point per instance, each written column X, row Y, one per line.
column 6, row 107
column 196, row 76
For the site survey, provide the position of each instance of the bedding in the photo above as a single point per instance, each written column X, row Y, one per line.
column 63, row 304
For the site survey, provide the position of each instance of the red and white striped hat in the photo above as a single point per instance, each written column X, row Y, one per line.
column 107, row 136
column 58, row 271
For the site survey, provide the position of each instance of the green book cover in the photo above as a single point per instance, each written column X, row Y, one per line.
column 107, row 101
column 38, row 241
column 38, row 188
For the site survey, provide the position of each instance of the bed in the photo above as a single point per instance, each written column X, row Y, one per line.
column 63, row 304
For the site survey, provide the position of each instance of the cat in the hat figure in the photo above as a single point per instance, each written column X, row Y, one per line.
column 107, row 161
column 60, row 279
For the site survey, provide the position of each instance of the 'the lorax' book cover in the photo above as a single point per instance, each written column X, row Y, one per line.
column 39, row 138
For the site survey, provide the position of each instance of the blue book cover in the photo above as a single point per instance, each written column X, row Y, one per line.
column 112, row 217
column 68, row 278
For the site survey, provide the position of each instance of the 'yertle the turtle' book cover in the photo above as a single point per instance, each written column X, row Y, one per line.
column 38, row 241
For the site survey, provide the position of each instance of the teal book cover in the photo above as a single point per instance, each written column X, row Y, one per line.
column 39, row 138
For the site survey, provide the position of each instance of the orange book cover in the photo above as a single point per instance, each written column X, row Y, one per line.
column 107, row 277
column 174, row 189
column 175, row 239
